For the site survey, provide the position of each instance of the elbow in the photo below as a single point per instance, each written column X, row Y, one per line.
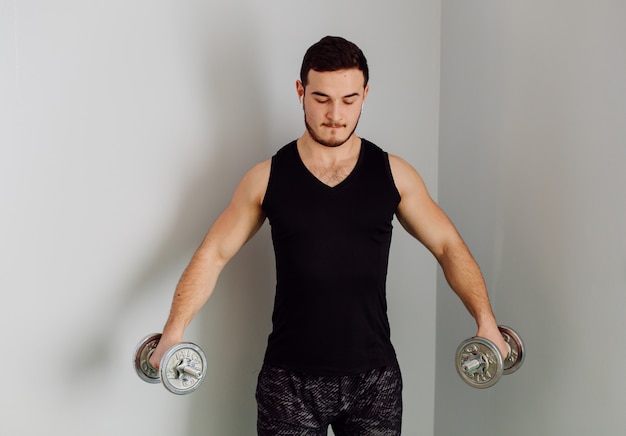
column 452, row 248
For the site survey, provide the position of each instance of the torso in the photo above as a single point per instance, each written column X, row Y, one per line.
column 331, row 249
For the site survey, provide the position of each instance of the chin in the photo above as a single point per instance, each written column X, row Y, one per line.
column 333, row 141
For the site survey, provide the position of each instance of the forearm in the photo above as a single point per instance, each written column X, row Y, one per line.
column 193, row 290
column 464, row 277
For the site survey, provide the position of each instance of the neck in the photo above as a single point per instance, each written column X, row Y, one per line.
column 311, row 149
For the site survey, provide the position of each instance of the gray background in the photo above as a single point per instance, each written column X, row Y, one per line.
column 532, row 169
column 125, row 127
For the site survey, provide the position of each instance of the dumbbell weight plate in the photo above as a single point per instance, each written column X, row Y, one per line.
column 183, row 368
column 515, row 359
column 142, row 353
column 485, row 352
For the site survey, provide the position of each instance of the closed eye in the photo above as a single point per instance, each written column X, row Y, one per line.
column 322, row 98
column 327, row 100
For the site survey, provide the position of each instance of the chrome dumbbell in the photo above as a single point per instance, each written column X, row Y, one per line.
column 183, row 366
column 480, row 363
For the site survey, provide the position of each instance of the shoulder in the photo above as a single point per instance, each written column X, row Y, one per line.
column 260, row 170
column 418, row 213
column 406, row 178
column 254, row 183
column 260, row 173
column 398, row 164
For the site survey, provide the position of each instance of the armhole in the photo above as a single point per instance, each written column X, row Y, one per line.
column 269, row 184
column 391, row 179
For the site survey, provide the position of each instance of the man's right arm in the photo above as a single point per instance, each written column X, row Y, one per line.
column 241, row 219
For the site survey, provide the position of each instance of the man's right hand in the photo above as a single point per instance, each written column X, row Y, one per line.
column 165, row 343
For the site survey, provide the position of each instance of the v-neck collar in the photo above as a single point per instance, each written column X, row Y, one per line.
column 345, row 181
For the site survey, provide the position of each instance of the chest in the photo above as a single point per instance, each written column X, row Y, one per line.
column 332, row 174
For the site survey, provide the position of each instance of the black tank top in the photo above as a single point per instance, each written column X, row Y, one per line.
column 332, row 248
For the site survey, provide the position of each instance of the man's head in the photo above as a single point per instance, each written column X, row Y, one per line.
column 333, row 53
column 332, row 90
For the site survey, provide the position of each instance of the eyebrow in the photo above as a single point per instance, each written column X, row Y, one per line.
column 321, row 94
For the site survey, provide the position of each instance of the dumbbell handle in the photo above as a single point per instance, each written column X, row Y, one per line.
column 473, row 365
column 183, row 367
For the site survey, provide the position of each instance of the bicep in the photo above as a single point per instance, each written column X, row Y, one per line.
column 241, row 219
column 418, row 213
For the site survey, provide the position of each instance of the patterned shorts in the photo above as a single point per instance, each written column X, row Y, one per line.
column 295, row 404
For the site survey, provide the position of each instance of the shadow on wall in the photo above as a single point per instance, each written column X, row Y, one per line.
column 237, row 320
column 233, row 327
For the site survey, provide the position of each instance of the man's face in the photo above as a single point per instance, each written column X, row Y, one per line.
column 332, row 103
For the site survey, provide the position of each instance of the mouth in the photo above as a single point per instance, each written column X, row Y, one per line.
column 334, row 126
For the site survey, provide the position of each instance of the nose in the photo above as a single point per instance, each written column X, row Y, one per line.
column 334, row 113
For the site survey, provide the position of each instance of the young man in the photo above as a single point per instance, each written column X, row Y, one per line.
column 330, row 198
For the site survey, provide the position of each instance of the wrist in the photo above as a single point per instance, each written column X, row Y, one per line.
column 486, row 321
column 173, row 332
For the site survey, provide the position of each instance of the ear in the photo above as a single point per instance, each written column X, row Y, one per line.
column 300, row 90
column 365, row 92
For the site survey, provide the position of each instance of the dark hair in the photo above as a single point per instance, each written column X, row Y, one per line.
column 333, row 53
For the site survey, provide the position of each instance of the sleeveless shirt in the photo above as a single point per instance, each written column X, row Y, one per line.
column 331, row 247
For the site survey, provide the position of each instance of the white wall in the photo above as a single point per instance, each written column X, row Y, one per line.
column 124, row 128
column 532, row 159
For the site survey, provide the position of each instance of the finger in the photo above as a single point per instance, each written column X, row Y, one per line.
column 155, row 359
column 506, row 349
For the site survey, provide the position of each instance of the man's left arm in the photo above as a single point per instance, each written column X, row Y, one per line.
column 423, row 219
